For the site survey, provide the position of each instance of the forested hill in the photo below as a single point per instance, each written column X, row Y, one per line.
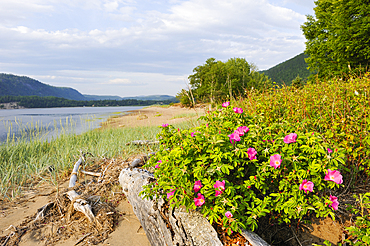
column 12, row 85
column 285, row 72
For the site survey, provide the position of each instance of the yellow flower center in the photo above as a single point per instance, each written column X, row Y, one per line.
column 277, row 162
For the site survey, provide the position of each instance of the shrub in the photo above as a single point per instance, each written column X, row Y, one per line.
column 361, row 230
column 235, row 169
column 338, row 110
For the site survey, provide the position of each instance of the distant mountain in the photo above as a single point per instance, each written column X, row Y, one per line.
column 285, row 72
column 13, row 85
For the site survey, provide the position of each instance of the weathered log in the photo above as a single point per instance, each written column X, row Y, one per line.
column 167, row 226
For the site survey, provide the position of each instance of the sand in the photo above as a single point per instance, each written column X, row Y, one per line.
column 154, row 116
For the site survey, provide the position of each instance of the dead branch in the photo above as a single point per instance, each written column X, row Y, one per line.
column 79, row 204
column 91, row 173
column 41, row 211
column 83, row 238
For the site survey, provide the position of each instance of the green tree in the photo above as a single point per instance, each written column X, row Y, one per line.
column 297, row 82
column 338, row 37
column 217, row 80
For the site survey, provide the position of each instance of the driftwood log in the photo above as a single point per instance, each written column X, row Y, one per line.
column 79, row 204
column 166, row 226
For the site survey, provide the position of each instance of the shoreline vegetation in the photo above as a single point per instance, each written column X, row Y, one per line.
column 15, row 102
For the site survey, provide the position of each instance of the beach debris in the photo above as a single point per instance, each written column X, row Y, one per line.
column 61, row 218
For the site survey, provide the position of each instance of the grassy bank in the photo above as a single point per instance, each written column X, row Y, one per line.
column 25, row 163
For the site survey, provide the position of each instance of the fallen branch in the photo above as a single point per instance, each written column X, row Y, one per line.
column 103, row 173
column 79, row 204
column 91, row 173
column 83, row 238
column 41, row 211
column 7, row 238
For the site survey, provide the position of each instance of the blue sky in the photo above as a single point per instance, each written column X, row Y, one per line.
column 132, row 47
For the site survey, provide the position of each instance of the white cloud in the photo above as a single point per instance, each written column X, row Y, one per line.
column 153, row 42
column 118, row 82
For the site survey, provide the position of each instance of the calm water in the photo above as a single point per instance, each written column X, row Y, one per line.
column 49, row 122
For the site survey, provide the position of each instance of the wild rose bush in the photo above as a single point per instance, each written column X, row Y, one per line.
column 235, row 169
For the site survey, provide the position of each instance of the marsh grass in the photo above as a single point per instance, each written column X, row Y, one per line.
column 186, row 115
column 26, row 162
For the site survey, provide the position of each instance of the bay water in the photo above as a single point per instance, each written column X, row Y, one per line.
column 50, row 122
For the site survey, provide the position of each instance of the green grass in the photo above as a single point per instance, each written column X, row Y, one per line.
column 185, row 115
column 24, row 162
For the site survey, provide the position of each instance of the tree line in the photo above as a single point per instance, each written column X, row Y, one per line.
column 217, row 80
column 53, row 102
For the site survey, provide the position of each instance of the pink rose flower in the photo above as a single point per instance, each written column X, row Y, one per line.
column 157, row 166
column 238, row 110
column 334, row 176
column 290, row 138
column 219, row 186
column 199, row 200
column 228, row 214
column 170, row 194
column 330, row 151
column 192, row 134
column 241, row 130
column 160, row 161
column 306, row 186
column 335, row 202
column 165, row 125
column 197, row 186
column 275, row 161
column 252, row 153
column 218, row 192
column 226, row 104
column 234, row 137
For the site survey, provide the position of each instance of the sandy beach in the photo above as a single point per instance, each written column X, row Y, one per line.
column 154, row 116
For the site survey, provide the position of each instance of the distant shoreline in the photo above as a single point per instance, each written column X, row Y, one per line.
column 11, row 105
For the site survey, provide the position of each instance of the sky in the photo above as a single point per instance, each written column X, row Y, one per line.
column 142, row 47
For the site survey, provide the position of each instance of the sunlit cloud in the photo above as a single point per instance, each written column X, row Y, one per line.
column 118, row 82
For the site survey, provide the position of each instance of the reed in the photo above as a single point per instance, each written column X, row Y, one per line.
column 25, row 160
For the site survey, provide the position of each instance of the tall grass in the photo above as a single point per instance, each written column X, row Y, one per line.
column 25, row 161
